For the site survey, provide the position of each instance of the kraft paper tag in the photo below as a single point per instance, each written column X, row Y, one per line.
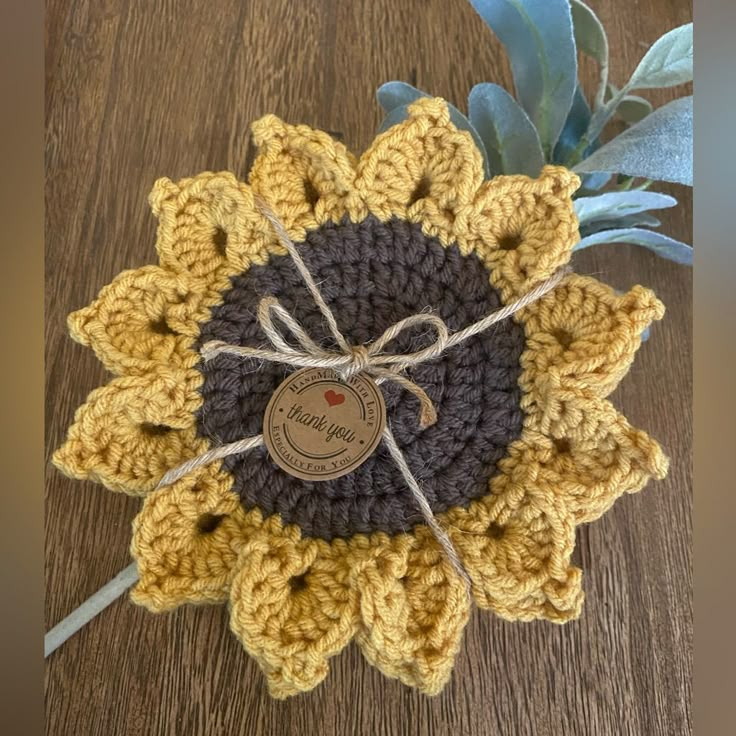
column 318, row 427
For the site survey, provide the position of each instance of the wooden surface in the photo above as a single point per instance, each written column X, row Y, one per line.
column 138, row 90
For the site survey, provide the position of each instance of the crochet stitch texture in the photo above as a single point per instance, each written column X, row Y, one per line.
column 526, row 446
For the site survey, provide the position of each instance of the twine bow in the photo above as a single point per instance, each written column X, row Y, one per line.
column 351, row 360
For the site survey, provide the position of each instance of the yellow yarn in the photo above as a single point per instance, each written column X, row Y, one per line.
column 297, row 601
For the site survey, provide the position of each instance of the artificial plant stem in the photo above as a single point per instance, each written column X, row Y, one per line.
column 597, row 123
column 577, row 155
column 600, row 95
column 96, row 603
column 644, row 185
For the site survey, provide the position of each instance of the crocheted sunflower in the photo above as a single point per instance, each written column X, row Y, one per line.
column 525, row 446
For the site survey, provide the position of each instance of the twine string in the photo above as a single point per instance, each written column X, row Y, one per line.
column 216, row 453
column 286, row 242
column 369, row 359
column 421, row 500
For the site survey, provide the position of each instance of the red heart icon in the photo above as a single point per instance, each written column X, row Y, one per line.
column 333, row 399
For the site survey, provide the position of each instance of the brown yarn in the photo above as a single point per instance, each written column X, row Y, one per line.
column 372, row 275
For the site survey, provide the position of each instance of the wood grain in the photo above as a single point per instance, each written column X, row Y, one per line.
column 138, row 90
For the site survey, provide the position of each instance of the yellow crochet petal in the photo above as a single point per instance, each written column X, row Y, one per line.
column 186, row 541
column 424, row 169
column 292, row 606
column 523, row 229
column 130, row 432
column 590, row 466
column 144, row 318
column 304, row 175
column 556, row 600
column 516, row 545
column 413, row 608
column 585, row 333
column 210, row 227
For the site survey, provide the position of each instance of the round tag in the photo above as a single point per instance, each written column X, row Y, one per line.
column 318, row 427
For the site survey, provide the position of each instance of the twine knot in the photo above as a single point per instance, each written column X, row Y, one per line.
column 359, row 360
column 349, row 360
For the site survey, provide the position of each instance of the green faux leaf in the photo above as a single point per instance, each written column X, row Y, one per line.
column 510, row 139
column 574, row 129
column 658, row 243
column 538, row 38
column 643, row 219
column 660, row 147
column 611, row 205
column 394, row 118
column 633, row 108
column 592, row 183
column 591, row 39
column 668, row 62
column 395, row 98
column 397, row 94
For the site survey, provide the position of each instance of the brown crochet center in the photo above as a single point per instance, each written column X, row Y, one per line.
column 372, row 274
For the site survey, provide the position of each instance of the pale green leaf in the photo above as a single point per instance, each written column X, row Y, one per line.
column 590, row 38
column 510, row 139
column 658, row 243
column 538, row 38
column 643, row 219
column 633, row 108
column 394, row 118
column 660, row 147
column 668, row 62
column 396, row 94
column 619, row 204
